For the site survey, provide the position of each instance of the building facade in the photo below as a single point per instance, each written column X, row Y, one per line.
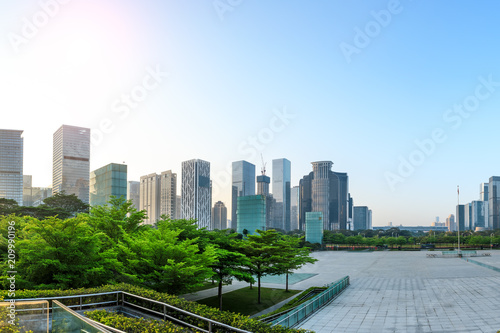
column 149, row 197
column 314, row 227
column 11, row 165
column 483, row 191
column 494, row 202
column 196, row 192
column 281, row 179
column 243, row 184
column 479, row 215
column 219, row 216
column 251, row 214
column 168, row 194
column 450, row 223
column 71, row 161
column 294, row 208
column 110, row 180
column 460, row 218
column 361, row 218
column 134, row 193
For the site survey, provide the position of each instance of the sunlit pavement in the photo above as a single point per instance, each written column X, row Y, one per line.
column 394, row 291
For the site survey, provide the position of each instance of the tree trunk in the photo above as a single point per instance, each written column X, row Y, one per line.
column 258, row 290
column 220, row 294
column 286, row 282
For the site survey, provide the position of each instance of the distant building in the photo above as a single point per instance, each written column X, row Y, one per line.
column 243, row 184
column 27, row 190
column 251, row 214
column 197, row 192
column 71, row 161
column 460, row 221
column 361, row 218
column 305, row 199
column 263, row 182
column 494, row 202
column 314, row 227
column 450, row 223
column 219, row 216
column 281, row 193
column 294, row 208
column 106, row 181
column 168, row 194
column 479, row 214
column 178, row 211
column 468, row 217
column 34, row 196
column 149, row 197
column 11, row 165
column 483, row 192
column 134, row 193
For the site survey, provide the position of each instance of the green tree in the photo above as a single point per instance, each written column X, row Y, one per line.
column 68, row 202
column 292, row 256
column 264, row 252
column 8, row 206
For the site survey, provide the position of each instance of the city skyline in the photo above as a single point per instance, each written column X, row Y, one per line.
column 391, row 92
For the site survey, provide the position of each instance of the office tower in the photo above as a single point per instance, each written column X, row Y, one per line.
column 196, row 192
column 168, row 194
column 370, row 219
column 251, row 214
column 483, row 190
column 494, row 202
column 263, row 182
column 281, row 193
column 178, row 211
column 361, row 218
column 350, row 205
column 314, row 227
column 71, row 161
column 305, row 199
column 294, row 208
column 133, row 193
column 149, row 197
column 329, row 194
column 479, row 214
column 219, row 216
column 460, row 220
column 450, row 223
column 106, row 181
column 243, row 184
column 39, row 194
column 27, row 190
column 11, row 165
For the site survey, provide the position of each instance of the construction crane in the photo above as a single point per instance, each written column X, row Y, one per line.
column 263, row 169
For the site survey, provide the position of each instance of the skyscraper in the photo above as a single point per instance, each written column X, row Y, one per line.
column 219, row 216
column 168, row 194
column 149, row 197
column 305, row 199
column 71, row 161
column 281, row 193
column 11, row 165
column 109, row 180
column 196, row 192
column 460, row 221
column 243, row 184
column 27, row 190
column 314, row 227
column 251, row 214
column 133, row 193
column 479, row 214
column 294, row 208
column 450, row 223
column 361, row 218
column 494, row 202
column 483, row 190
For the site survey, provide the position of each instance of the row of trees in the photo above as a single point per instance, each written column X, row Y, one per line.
column 110, row 245
column 374, row 238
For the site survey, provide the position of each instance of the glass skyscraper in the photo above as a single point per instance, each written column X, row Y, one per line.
column 71, row 161
column 109, row 180
column 197, row 192
column 11, row 165
column 251, row 214
column 494, row 202
column 133, row 193
column 281, row 179
column 361, row 219
column 314, row 227
column 243, row 184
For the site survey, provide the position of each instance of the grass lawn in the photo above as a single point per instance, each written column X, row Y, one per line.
column 244, row 300
column 206, row 285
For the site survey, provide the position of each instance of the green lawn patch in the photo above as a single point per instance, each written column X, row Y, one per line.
column 244, row 300
column 206, row 285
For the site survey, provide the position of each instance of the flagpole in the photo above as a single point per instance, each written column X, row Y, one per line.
column 458, row 221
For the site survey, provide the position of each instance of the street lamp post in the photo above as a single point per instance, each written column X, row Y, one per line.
column 458, row 221
column 491, row 241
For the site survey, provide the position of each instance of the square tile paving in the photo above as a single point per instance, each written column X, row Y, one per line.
column 394, row 291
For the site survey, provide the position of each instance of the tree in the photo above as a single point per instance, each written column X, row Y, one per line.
column 68, row 202
column 8, row 206
column 264, row 252
column 292, row 256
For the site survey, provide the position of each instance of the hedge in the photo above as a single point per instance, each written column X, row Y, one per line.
column 226, row 317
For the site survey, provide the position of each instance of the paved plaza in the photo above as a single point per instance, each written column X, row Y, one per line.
column 393, row 291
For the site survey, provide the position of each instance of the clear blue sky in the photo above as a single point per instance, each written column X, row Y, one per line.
column 361, row 100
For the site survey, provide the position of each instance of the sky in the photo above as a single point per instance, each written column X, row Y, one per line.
column 403, row 95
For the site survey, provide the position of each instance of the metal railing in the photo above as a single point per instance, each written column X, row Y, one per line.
column 306, row 309
column 166, row 311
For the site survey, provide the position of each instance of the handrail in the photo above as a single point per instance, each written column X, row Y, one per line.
column 211, row 323
column 304, row 310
